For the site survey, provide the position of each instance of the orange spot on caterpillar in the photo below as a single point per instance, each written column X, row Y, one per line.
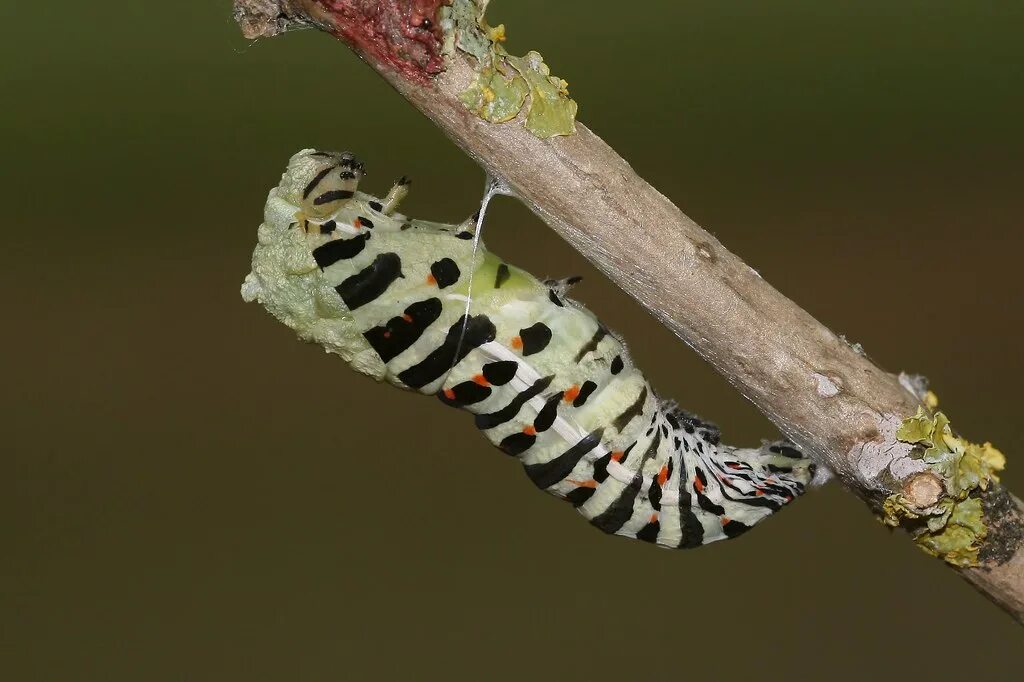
column 479, row 379
column 431, row 279
column 407, row 317
column 357, row 223
column 726, row 520
column 530, row 431
column 584, row 484
column 654, row 518
column 387, row 335
column 663, row 475
column 734, row 465
column 698, row 486
column 572, row 393
column 617, row 456
column 759, row 493
column 789, row 498
column 449, row 393
column 517, row 343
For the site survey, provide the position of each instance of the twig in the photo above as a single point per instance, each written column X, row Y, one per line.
column 821, row 392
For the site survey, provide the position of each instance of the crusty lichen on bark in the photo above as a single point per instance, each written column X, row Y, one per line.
column 950, row 524
column 505, row 84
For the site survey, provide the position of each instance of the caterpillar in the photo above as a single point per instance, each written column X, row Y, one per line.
column 545, row 381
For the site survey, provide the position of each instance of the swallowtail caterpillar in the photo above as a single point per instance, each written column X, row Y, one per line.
column 545, row 380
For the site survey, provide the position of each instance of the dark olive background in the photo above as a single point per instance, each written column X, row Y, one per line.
column 188, row 493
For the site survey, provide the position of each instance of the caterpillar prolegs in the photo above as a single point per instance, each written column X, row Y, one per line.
column 545, row 380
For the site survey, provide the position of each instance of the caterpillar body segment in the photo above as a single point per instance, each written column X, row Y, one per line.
column 546, row 382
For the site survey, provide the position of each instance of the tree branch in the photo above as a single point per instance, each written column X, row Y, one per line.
column 821, row 392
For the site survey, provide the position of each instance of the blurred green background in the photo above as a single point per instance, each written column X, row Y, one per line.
column 188, row 493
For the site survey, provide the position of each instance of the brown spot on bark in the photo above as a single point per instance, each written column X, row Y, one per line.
column 705, row 251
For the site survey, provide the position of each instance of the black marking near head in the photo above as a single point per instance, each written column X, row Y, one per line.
column 333, row 195
column 365, row 222
column 501, row 276
column 586, row 389
column 478, row 330
column 464, row 235
column 335, row 250
column 369, row 283
column 635, row 409
column 592, row 344
column 492, row 419
column 546, row 474
column 535, row 338
column 500, row 372
column 617, row 364
column 554, row 299
column 445, row 272
column 376, row 206
column 328, row 227
column 401, row 332
column 316, row 181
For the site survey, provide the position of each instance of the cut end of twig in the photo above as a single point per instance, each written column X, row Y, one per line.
column 260, row 18
column 922, row 489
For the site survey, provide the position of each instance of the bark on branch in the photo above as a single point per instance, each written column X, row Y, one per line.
column 821, row 393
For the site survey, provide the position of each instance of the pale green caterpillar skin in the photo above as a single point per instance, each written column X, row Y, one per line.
column 547, row 382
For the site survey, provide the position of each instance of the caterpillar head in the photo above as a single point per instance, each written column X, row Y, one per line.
column 320, row 182
column 285, row 277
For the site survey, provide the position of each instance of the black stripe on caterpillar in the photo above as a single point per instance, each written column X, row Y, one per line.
column 546, row 381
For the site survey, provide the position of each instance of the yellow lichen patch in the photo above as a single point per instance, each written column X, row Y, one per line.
column 499, row 93
column 497, row 34
column 964, row 466
column 954, row 527
column 495, row 98
column 960, row 537
column 552, row 111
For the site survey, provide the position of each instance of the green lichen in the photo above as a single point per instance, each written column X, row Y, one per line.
column 959, row 538
column 964, row 466
column 464, row 29
column 503, row 81
column 552, row 112
column 954, row 527
column 495, row 98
